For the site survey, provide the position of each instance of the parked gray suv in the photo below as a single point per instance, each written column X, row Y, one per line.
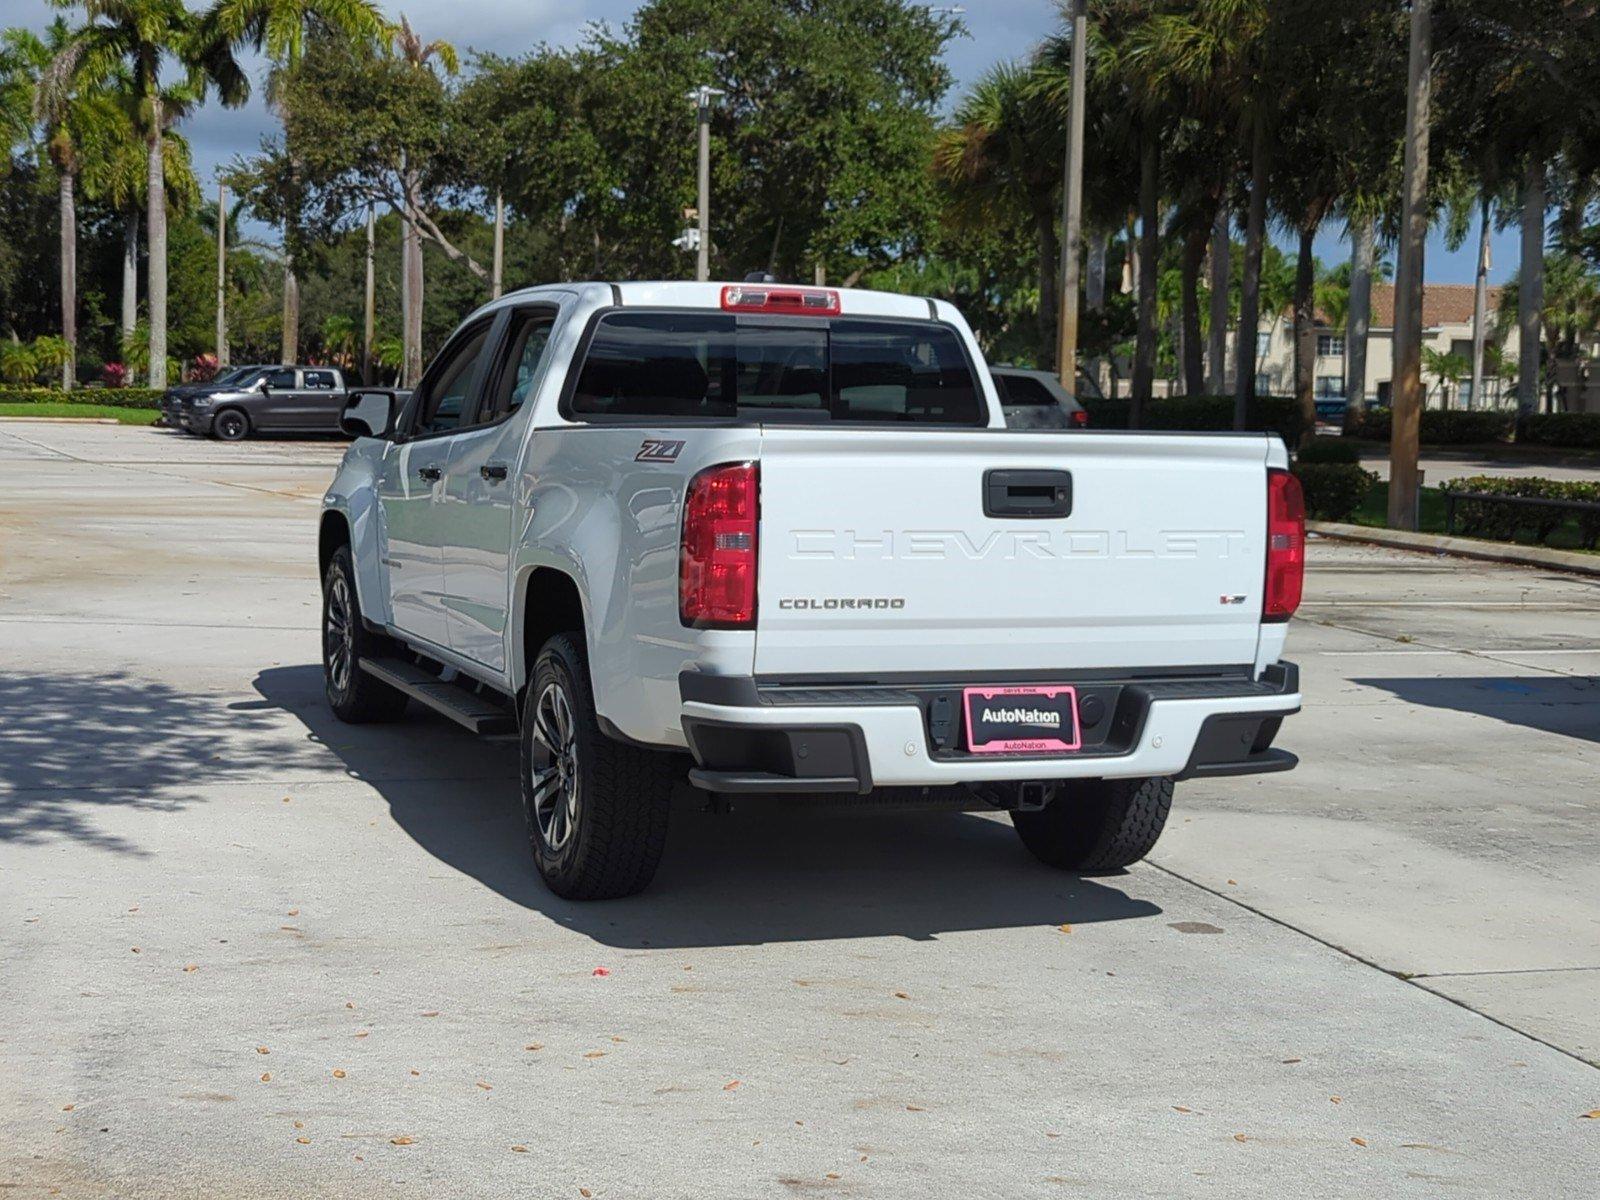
column 273, row 400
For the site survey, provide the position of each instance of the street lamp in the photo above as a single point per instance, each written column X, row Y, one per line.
column 702, row 98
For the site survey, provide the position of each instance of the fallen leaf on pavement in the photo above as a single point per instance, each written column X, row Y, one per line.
column 519, row 1149
column 266, row 1077
column 1359, row 1141
column 1064, row 928
column 731, row 1085
column 430, row 1014
column 833, row 1175
column 1181, row 1108
column 585, row 1193
column 914, row 1108
column 1590, row 1116
column 401, row 1141
column 304, row 1141
column 68, row 1107
column 595, row 1054
column 1335, row 1100
column 299, row 1124
column 190, row 969
column 1234, row 882
column 136, row 949
column 416, row 1072
column 361, row 1033
column 262, row 1050
column 1287, row 1061
column 293, row 912
column 488, row 1087
column 601, row 971
column 1239, row 1137
column 337, row 1073
column 901, row 996
column 534, row 1046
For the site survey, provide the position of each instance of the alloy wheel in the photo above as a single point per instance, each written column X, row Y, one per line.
column 554, row 770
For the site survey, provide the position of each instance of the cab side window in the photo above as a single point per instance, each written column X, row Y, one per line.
column 321, row 381
column 450, row 388
column 282, row 381
column 530, row 338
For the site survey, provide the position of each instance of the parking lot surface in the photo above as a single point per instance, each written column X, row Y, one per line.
column 251, row 952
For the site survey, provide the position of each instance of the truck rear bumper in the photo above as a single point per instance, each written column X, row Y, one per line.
column 758, row 737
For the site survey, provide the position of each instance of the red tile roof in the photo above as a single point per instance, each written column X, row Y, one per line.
column 1442, row 304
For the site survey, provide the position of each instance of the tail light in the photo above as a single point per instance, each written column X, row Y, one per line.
column 1286, row 546
column 717, row 561
column 1079, row 419
column 789, row 301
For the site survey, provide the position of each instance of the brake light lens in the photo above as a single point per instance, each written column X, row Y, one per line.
column 1286, row 546
column 1080, row 419
column 717, row 559
column 787, row 301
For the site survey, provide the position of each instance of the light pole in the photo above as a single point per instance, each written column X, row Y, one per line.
column 1072, row 206
column 702, row 98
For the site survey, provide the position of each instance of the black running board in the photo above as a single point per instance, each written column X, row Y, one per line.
column 465, row 708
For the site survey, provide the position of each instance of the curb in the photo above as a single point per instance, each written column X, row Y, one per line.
column 67, row 420
column 1503, row 552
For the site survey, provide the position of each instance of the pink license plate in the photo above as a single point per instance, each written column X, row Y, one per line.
column 1022, row 720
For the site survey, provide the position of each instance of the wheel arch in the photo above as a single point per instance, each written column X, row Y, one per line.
column 549, row 602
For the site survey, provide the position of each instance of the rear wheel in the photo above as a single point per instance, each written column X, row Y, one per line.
column 596, row 808
column 354, row 695
column 231, row 425
column 1097, row 824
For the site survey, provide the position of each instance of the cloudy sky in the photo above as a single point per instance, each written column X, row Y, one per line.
column 997, row 29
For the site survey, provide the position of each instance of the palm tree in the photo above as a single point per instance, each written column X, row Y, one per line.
column 407, row 45
column 340, row 337
column 998, row 168
column 280, row 28
column 136, row 36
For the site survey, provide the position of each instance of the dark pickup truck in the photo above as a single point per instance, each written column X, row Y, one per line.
column 268, row 400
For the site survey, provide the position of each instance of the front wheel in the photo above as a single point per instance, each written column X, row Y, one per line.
column 231, row 425
column 596, row 808
column 1097, row 824
column 354, row 695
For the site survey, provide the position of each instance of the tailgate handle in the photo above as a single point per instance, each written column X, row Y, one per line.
column 1027, row 493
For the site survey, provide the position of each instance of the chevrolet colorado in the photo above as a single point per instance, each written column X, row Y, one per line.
column 763, row 539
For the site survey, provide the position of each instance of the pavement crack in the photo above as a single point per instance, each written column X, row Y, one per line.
column 1507, row 971
column 1415, row 981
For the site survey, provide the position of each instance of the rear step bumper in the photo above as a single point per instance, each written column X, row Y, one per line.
column 753, row 736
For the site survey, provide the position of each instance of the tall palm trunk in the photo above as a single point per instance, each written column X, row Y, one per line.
column 289, row 349
column 156, row 222
column 130, row 273
column 1194, row 255
column 1405, row 424
column 1358, row 322
column 1305, row 334
column 69, row 278
column 1217, row 340
column 497, row 279
column 1480, row 304
column 1144, row 354
column 369, row 301
column 222, row 276
column 1244, row 384
column 1530, row 288
column 1094, row 285
column 1049, row 239
column 412, row 282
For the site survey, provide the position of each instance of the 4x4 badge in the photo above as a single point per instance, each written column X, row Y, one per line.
column 658, row 450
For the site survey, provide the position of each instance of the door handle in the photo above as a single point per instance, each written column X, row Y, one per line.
column 431, row 474
column 493, row 471
column 1027, row 493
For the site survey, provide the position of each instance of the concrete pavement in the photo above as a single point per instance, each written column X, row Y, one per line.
column 252, row 952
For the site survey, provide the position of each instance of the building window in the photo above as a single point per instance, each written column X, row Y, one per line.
column 1330, row 386
column 1330, row 345
column 1263, row 343
column 1263, row 383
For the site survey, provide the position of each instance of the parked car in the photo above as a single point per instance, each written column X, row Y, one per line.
column 274, row 400
column 172, row 399
column 777, row 541
column 1036, row 400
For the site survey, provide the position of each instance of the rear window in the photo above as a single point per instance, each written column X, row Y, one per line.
column 722, row 365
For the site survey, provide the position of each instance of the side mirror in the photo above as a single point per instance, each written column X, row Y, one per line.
column 368, row 414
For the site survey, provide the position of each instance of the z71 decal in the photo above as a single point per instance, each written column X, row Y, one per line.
column 658, row 450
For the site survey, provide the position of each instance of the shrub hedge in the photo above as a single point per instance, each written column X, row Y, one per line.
column 1560, row 429
column 1333, row 490
column 1440, row 426
column 1503, row 522
column 115, row 397
column 1328, row 450
column 1271, row 414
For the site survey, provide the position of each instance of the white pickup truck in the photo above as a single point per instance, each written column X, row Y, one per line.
column 761, row 539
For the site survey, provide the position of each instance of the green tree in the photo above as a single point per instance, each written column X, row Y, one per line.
column 137, row 37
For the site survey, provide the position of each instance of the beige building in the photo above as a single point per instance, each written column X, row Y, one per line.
column 1446, row 328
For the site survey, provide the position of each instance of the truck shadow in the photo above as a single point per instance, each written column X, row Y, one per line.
column 756, row 875
column 1565, row 705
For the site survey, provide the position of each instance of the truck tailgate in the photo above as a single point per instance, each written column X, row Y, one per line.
column 877, row 556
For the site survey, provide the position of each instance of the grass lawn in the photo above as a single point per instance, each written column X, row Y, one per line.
column 1375, row 512
column 125, row 416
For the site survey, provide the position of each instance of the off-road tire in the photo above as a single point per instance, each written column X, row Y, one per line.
column 1098, row 824
column 354, row 696
column 230, row 425
column 614, row 843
